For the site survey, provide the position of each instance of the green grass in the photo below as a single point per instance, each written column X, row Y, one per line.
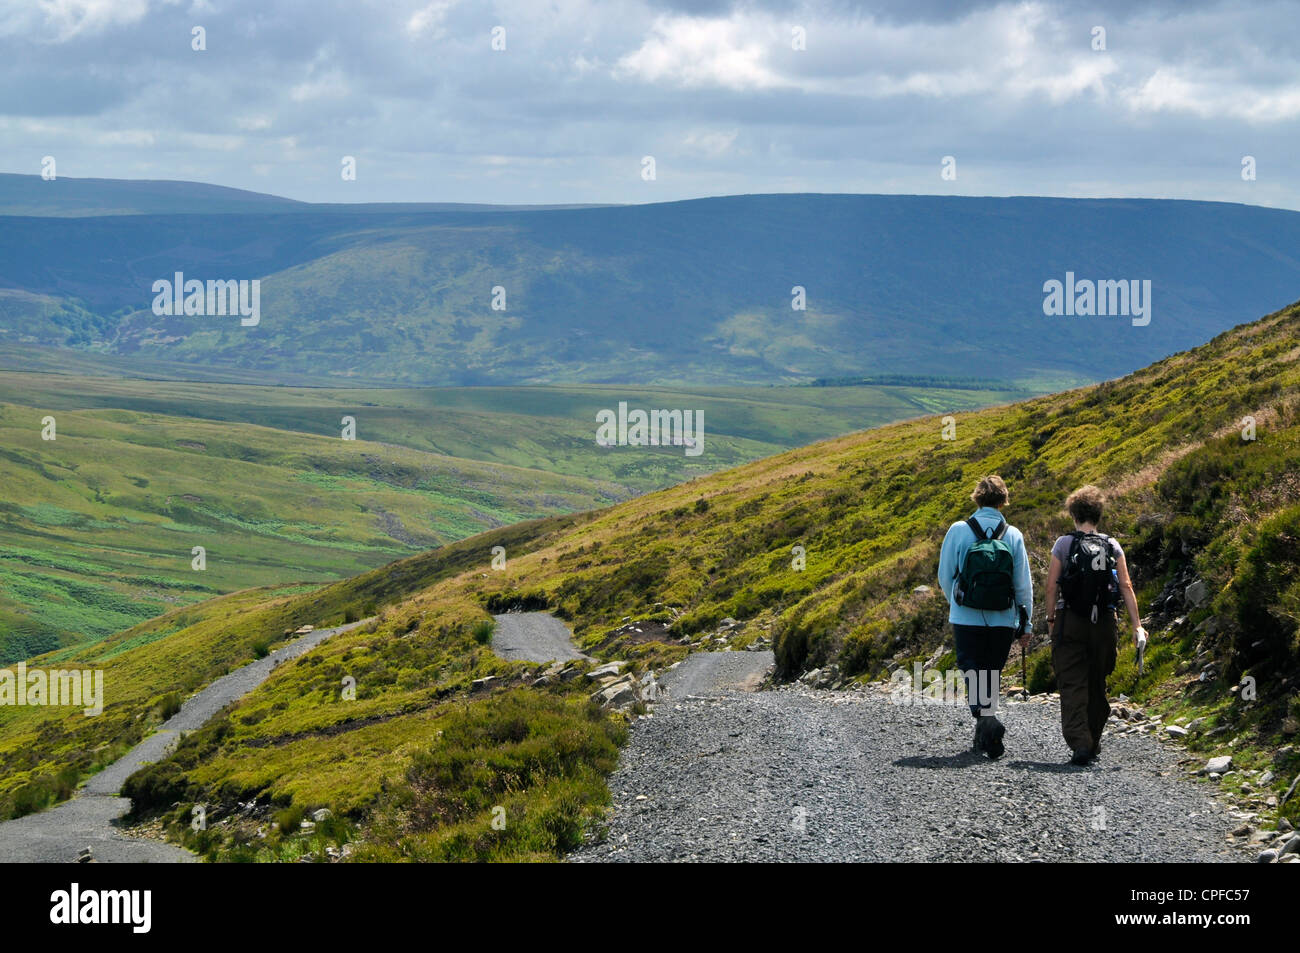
column 100, row 532
column 1189, row 499
column 104, row 518
column 187, row 648
column 518, row 775
column 550, row 428
column 870, row 510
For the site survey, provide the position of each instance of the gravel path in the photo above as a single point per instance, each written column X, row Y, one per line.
column 797, row 774
column 89, row 818
column 714, row 673
column 533, row 637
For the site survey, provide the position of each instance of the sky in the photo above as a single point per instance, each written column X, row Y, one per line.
column 529, row 101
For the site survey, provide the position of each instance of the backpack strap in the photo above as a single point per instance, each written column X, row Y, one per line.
column 1109, row 543
column 981, row 533
column 1110, row 547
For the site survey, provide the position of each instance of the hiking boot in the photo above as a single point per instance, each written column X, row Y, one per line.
column 1081, row 759
column 978, row 744
column 993, row 746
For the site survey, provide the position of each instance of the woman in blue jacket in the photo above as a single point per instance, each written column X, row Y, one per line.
column 983, row 637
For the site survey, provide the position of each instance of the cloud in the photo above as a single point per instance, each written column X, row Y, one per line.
column 428, row 20
column 64, row 19
column 693, row 51
column 714, row 89
column 254, row 123
column 710, row 144
column 1169, row 90
column 329, row 85
column 1011, row 50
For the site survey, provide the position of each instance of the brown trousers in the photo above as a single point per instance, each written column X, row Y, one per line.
column 1083, row 655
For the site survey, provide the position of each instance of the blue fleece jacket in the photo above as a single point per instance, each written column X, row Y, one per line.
column 953, row 553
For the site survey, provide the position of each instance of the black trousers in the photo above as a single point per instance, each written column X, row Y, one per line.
column 1083, row 654
column 982, row 649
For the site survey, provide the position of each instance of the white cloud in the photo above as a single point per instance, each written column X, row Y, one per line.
column 697, row 51
column 126, row 137
column 1169, row 90
column 69, row 18
column 330, row 85
column 710, row 144
column 324, row 79
column 1014, row 49
column 428, row 20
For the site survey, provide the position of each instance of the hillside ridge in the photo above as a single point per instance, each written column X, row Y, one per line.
column 898, row 284
column 823, row 551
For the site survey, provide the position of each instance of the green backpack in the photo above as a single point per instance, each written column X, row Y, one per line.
column 986, row 579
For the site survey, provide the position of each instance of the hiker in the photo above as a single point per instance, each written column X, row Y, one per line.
column 1087, row 578
column 984, row 572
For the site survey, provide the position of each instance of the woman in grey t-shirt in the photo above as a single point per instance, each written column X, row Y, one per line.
column 1083, row 646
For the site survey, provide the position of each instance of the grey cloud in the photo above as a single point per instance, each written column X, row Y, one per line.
column 285, row 88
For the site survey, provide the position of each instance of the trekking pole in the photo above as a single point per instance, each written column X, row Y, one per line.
column 1024, row 621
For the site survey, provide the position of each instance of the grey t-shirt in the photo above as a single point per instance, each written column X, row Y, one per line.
column 1061, row 550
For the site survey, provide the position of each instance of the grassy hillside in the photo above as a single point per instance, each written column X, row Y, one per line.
column 101, row 535
column 661, row 294
column 1192, row 499
column 548, row 428
column 29, row 357
column 152, row 666
column 97, row 527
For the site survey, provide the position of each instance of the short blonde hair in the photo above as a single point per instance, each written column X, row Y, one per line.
column 990, row 491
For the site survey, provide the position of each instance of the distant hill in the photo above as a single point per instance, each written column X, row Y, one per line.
column 64, row 197
column 696, row 292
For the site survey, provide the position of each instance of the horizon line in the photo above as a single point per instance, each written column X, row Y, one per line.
column 570, row 206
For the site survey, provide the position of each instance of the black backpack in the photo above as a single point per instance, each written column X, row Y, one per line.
column 1088, row 583
column 986, row 579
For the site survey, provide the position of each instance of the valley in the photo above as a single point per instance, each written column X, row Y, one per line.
column 1206, row 517
column 102, row 521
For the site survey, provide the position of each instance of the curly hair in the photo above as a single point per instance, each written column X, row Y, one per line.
column 1085, row 504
